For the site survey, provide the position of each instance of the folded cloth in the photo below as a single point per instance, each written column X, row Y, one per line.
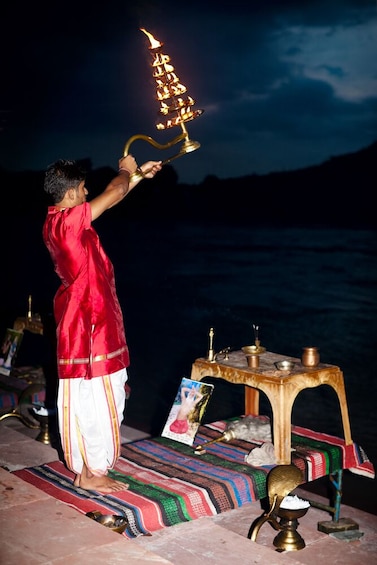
column 263, row 455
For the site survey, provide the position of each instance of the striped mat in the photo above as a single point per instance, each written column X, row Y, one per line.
column 169, row 484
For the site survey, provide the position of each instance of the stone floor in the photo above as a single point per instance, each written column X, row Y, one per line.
column 37, row 529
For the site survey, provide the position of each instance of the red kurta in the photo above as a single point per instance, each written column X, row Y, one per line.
column 90, row 332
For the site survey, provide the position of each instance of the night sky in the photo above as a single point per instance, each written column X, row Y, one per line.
column 284, row 84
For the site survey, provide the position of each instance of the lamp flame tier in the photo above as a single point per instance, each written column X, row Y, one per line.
column 175, row 107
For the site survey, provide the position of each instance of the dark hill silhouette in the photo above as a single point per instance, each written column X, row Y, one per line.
column 336, row 192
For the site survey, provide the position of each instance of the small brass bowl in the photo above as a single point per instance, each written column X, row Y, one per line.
column 292, row 513
column 115, row 523
column 253, row 350
column 285, row 365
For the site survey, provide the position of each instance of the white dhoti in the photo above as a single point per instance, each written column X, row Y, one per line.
column 90, row 413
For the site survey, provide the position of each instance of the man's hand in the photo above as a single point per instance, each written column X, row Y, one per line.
column 128, row 164
column 150, row 168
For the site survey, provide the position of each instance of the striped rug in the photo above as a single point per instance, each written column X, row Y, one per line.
column 169, row 484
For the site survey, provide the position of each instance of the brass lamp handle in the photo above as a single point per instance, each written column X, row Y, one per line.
column 152, row 142
column 187, row 146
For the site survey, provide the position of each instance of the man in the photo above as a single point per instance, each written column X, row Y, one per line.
column 92, row 352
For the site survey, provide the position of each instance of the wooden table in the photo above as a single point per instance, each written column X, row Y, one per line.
column 280, row 387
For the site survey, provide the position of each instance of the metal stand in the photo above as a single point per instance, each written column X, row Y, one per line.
column 44, row 434
column 337, row 524
column 16, row 412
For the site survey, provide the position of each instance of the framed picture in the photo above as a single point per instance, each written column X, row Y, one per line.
column 9, row 350
column 187, row 411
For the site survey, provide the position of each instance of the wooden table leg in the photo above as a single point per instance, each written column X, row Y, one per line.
column 251, row 401
column 281, row 401
column 338, row 386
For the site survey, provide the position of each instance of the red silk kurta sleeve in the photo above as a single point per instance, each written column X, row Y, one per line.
column 90, row 331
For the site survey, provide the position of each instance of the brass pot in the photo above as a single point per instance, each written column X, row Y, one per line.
column 310, row 356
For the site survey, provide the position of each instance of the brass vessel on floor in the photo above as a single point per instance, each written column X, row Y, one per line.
column 115, row 523
column 281, row 481
column 288, row 539
column 44, row 434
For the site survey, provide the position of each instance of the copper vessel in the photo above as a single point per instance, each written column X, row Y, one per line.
column 310, row 356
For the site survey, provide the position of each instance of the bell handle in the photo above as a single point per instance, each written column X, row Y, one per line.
column 226, row 436
column 151, row 141
column 266, row 517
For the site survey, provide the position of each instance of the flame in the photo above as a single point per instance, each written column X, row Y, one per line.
column 160, row 59
column 154, row 42
column 169, row 89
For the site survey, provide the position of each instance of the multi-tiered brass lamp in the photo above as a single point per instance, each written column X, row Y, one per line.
column 176, row 107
